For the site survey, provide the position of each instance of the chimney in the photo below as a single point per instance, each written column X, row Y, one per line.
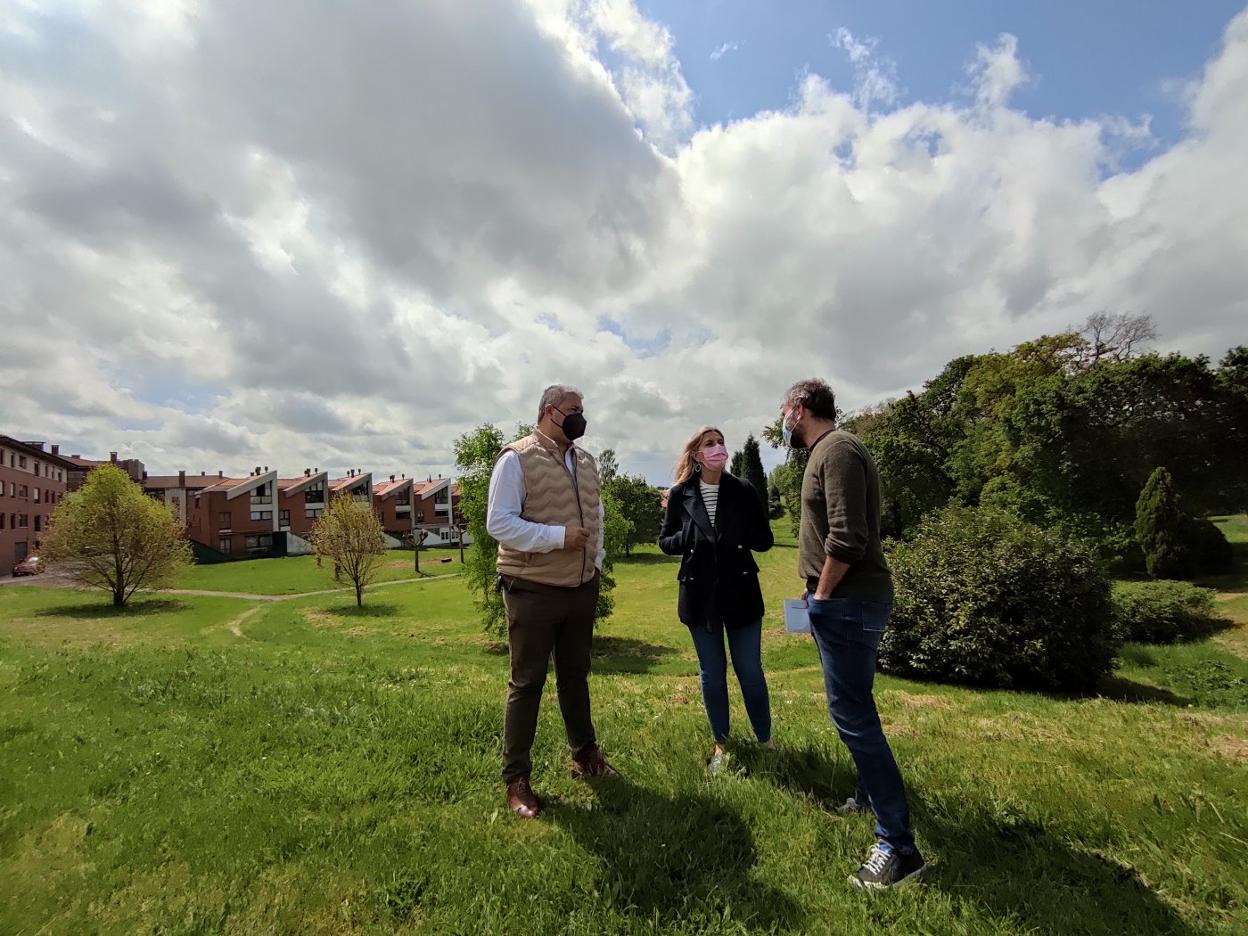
column 307, row 472
column 266, row 469
column 181, row 479
column 404, row 475
column 392, row 478
column 112, row 458
column 257, row 469
column 56, row 450
column 220, row 474
column 203, row 474
column 75, row 456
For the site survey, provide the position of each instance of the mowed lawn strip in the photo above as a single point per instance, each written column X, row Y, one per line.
column 209, row 765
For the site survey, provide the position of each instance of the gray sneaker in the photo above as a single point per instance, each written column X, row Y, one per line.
column 885, row 868
column 719, row 762
column 853, row 807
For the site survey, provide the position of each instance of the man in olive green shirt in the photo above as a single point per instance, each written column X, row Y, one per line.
column 849, row 597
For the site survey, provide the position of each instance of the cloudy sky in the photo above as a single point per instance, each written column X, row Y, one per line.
column 306, row 233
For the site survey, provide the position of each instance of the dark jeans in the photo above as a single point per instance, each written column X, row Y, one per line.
column 541, row 620
column 847, row 633
column 744, row 643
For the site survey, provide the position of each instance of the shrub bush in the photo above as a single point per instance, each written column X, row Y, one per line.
column 1162, row 612
column 984, row 597
column 1210, row 546
column 1176, row 545
column 1162, row 529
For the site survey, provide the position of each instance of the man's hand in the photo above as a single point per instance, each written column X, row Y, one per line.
column 575, row 537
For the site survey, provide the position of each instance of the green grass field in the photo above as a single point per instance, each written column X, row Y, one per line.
column 219, row 765
column 296, row 575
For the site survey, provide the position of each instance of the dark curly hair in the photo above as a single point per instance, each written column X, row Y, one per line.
column 815, row 396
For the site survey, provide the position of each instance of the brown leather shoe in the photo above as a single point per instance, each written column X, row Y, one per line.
column 592, row 764
column 521, row 799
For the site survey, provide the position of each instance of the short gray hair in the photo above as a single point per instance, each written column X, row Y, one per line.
column 554, row 395
column 815, row 396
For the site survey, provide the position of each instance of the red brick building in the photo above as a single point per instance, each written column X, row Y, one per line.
column 32, row 483
column 301, row 501
column 177, row 491
column 393, row 502
column 82, row 467
column 236, row 516
column 357, row 485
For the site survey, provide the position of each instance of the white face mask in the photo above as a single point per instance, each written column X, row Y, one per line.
column 787, row 430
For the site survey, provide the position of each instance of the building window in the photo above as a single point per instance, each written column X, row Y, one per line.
column 262, row 515
column 23, row 520
column 260, row 543
column 284, row 518
column 262, row 495
column 38, row 523
column 36, row 495
column 23, row 491
column 315, row 494
column 313, row 513
column 21, row 461
column 1, row 521
column 223, row 545
column 223, row 519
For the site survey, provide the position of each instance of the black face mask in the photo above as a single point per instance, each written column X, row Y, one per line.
column 573, row 424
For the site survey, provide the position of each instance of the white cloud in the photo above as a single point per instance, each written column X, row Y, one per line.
column 719, row 53
column 311, row 235
column 875, row 76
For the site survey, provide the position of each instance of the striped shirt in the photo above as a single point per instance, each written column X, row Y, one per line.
column 710, row 497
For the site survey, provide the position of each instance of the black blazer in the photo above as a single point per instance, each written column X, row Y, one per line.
column 718, row 575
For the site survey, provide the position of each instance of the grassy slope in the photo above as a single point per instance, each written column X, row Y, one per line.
column 210, row 765
column 296, row 575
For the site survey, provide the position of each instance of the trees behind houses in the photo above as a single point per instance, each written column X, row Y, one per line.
column 111, row 536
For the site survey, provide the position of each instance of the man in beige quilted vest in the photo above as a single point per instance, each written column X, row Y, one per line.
column 546, row 514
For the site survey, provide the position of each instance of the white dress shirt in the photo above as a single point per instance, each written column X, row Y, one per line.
column 503, row 520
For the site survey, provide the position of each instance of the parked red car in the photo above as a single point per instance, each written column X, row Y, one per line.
column 31, row 565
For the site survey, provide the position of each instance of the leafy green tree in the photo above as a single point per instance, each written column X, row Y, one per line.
column 1160, row 525
column 641, row 505
column 737, row 466
column 350, row 536
column 753, row 464
column 608, row 466
column 111, row 536
column 475, row 455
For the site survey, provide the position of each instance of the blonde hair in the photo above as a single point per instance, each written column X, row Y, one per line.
column 686, row 464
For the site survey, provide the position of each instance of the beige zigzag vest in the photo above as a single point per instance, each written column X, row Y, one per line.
column 553, row 497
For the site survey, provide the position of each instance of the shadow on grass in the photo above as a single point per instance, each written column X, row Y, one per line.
column 808, row 772
column 627, row 655
column 1006, row 862
column 100, row 610
column 1011, row 866
column 1120, row 689
column 370, row 609
column 678, row 861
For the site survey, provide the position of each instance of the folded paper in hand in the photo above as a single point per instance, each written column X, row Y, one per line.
column 796, row 616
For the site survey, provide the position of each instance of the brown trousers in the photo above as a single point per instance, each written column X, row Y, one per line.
column 541, row 620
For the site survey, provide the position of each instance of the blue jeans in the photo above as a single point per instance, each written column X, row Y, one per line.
column 847, row 633
column 745, row 645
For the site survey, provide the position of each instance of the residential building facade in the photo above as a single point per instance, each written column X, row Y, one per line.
column 237, row 517
column 32, row 482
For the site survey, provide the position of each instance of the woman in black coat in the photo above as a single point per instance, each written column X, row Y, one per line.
column 713, row 522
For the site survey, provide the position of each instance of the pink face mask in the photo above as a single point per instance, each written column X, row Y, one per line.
column 715, row 457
